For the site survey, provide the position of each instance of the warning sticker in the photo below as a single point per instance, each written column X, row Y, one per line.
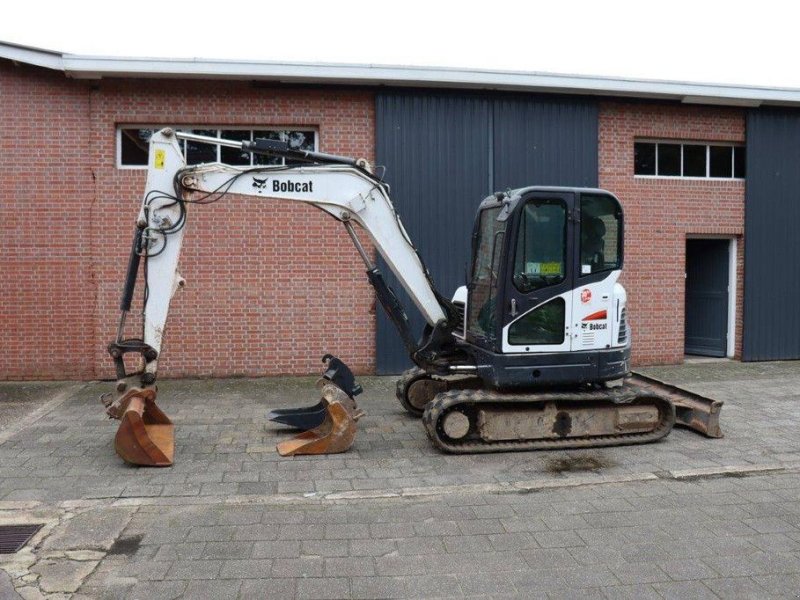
column 161, row 155
column 586, row 295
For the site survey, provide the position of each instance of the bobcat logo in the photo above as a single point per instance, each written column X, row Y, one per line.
column 260, row 184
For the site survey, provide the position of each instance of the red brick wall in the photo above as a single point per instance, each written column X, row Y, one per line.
column 661, row 213
column 48, row 290
column 270, row 286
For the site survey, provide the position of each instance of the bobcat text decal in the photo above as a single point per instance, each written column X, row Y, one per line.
column 600, row 315
column 292, row 186
column 283, row 186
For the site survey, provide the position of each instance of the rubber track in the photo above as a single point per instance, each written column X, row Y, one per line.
column 627, row 394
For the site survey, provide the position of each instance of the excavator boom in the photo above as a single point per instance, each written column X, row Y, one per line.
column 344, row 188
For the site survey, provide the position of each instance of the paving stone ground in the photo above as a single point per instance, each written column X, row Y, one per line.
column 18, row 400
column 688, row 517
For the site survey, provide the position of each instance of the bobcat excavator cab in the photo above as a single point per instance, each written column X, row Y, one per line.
column 545, row 324
column 526, row 363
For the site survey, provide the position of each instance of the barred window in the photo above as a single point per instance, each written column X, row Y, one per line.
column 133, row 144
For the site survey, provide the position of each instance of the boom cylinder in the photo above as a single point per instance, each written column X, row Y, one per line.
column 385, row 294
column 133, row 270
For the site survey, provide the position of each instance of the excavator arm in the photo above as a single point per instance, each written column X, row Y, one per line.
column 343, row 187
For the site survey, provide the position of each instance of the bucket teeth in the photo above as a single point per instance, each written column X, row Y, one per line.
column 146, row 436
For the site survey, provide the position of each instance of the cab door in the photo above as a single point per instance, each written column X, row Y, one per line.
column 598, row 264
column 538, row 304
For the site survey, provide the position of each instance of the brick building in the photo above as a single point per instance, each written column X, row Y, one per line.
column 699, row 170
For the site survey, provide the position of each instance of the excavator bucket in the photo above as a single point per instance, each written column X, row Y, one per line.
column 146, row 436
column 331, row 423
column 336, row 433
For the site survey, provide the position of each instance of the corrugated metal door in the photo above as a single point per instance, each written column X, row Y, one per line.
column 706, row 322
column 445, row 152
column 435, row 149
column 544, row 141
column 772, row 238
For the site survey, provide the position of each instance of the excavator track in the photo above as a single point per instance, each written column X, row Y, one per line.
column 416, row 388
column 473, row 421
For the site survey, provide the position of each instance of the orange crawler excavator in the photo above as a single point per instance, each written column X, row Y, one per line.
column 533, row 353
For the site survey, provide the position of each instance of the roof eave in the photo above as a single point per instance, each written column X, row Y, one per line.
column 372, row 75
column 97, row 67
column 32, row 56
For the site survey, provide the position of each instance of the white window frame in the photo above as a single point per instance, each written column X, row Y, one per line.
column 218, row 128
column 683, row 143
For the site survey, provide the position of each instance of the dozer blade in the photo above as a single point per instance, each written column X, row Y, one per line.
column 693, row 411
column 146, row 436
column 337, row 431
column 306, row 417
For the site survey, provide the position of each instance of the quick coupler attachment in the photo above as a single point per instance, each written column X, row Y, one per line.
column 330, row 425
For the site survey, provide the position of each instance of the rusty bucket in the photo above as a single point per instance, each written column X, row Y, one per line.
column 337, row 431
column 146, row 436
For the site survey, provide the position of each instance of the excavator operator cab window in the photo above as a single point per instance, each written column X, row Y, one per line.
column 601, row 234
column 485, row 273
column 541, row 254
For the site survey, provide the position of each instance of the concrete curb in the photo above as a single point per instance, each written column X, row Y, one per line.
column 511, row 487
column 728, row 471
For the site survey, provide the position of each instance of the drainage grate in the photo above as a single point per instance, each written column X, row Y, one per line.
column 14, row 537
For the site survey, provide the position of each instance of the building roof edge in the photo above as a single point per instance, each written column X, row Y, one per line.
column 94, row 67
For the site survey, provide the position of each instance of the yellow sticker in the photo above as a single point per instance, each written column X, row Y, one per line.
column 550, row 268
column 160, row 157
column 543, row 268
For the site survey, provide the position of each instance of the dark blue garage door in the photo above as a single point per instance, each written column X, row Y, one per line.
column 772, row 236
column 445, row 152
